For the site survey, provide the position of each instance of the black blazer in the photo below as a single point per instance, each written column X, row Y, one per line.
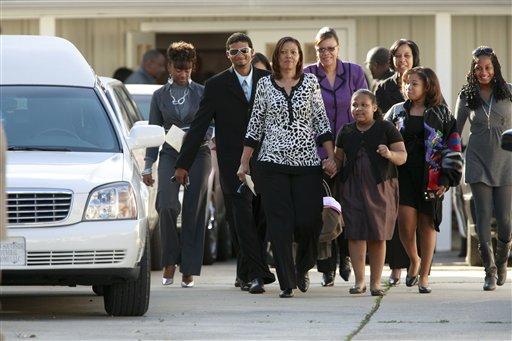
column 224, row 102
column 388, row 93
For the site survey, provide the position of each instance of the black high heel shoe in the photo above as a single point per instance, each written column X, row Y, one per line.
column 392, row 281
column 424, row 290
column 286, row 293
column 411, row 280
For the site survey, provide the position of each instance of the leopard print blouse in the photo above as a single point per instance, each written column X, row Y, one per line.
column 288, row 124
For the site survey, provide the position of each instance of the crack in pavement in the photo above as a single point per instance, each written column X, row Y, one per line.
column 368, row 316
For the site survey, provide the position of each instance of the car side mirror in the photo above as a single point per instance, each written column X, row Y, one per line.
column 506, row 140
column 145, row 136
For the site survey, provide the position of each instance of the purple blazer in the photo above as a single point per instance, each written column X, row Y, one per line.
column 349, row 78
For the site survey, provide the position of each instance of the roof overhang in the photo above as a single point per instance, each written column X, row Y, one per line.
column 21, row 9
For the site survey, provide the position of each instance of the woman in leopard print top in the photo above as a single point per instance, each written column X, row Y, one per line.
column 287, row 117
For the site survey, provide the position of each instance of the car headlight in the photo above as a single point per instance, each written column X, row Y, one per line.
column 112, row 201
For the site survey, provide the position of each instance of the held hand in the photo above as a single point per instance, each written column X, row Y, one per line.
column 329, row 167
column 242, row 171
column 441, row 190
column 181, row 176
column 148, row 180
column 383, row 151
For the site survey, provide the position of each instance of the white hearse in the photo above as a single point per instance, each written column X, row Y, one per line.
column 76, row 204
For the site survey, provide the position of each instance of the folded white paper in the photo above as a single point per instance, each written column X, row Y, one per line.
column 250, row 183
column 174, row 137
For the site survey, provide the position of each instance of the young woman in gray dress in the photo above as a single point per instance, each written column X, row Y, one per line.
column 369, row 150
column 176, row 104
column 486, row 100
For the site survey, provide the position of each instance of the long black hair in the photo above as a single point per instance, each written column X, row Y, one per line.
column 471, row 90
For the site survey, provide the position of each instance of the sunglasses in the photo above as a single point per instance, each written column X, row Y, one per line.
column 482, row 51
column 330, row 49
column 234, row 52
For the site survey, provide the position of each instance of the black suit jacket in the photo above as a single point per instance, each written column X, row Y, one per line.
column 224, row 102
column 388, row 93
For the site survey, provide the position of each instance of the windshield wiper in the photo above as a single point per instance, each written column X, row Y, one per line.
column 28, row 148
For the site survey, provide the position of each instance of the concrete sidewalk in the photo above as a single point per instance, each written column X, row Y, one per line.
column 457, row 308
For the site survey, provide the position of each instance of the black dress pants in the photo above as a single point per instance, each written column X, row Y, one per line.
column 251, row 259
column 293, row 210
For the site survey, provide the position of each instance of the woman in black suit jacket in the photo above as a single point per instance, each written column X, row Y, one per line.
column 176, row 103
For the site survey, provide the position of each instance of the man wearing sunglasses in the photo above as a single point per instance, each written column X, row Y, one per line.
column 228, row 97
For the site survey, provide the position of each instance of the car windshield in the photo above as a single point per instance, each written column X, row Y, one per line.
column 55, row 118
column 143, row 103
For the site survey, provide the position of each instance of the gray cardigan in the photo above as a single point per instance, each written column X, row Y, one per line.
column 163, row 113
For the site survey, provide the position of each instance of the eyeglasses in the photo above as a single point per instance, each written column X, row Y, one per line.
column 482, row 50
column 234, row 52
column 329, row 49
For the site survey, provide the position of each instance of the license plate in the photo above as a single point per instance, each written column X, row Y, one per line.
column 13, row 251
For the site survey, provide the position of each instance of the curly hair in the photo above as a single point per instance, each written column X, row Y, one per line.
column 181, row 54
column 471, row 90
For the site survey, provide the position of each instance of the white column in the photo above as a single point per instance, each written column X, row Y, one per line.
column 444, row 72
column 47, row 26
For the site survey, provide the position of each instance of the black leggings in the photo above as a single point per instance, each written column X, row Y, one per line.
column 485, row 198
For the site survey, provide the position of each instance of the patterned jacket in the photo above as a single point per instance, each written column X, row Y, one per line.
column 443, row 158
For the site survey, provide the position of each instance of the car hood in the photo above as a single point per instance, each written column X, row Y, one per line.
column 76, row 171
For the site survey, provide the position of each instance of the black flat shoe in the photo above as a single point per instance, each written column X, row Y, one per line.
column 377, row 292
column 357, row 290
column 245, row 286
column 411, row 280
column 303, row 282
column 392, row 281
column 257, row 286
column 345, row 268
column 328, row 279
column 424, row 290
column 238, row 282
column 286, row 293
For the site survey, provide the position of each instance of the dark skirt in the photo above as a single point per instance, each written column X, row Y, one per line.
column 369, row 209
column 411, row 193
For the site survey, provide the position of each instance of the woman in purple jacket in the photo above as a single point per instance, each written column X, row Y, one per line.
column 338, row 81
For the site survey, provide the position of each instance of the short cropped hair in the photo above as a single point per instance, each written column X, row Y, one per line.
column 238, row 37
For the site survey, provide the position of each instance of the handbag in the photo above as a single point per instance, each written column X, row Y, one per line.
column 332, row 225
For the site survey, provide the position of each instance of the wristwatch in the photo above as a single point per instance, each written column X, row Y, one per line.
column 146, row 171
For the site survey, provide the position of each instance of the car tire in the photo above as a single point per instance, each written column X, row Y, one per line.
column 98, row 290
column 156, row 249
column 130, row 298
